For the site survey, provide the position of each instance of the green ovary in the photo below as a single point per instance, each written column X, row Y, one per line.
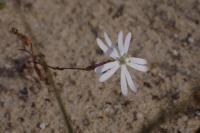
column 123, row 58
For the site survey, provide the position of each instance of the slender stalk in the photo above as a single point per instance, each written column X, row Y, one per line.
column 50, row 80
column 88, row 68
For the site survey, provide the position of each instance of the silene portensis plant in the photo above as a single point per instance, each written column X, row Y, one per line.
column 106, row 69
column 36, row 63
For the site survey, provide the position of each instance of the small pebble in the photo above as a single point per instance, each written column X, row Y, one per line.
column 197, row 113
column 42, row 125
column 190, row 40
column 175, row 36
column 109, row 110
column 175, row 52
column 140, row 116
column 185, row 118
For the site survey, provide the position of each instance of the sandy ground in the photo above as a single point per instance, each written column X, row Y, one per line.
column 166, row 33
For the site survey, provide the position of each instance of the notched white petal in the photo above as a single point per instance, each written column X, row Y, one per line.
column 120, row 43
column 138, row 61
column 103, row 68
column 127, row 42
column 110, row 51
column 111, row 46
column 142, row 68
column 130, row 82
column 105, row 76
column 102, row 45
column 123, row 82
column 113, row 52
column 108, row 40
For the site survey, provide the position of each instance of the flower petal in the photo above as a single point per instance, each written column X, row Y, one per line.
column 127, row 42
column 107, row 50
column 102, row 45
column 123, row 82
column 112, row 53
column 138, row 67
column 108, row 73
column 109, row 42
column 101, row 69
column 120, row 43
column 107, row 38
column 131, row 84
column 139, row 61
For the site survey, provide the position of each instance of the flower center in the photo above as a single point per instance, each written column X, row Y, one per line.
column 123, row 59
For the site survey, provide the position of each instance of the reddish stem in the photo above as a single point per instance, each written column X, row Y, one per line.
column 88, row 68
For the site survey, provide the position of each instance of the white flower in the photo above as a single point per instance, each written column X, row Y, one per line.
column 121, row 59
